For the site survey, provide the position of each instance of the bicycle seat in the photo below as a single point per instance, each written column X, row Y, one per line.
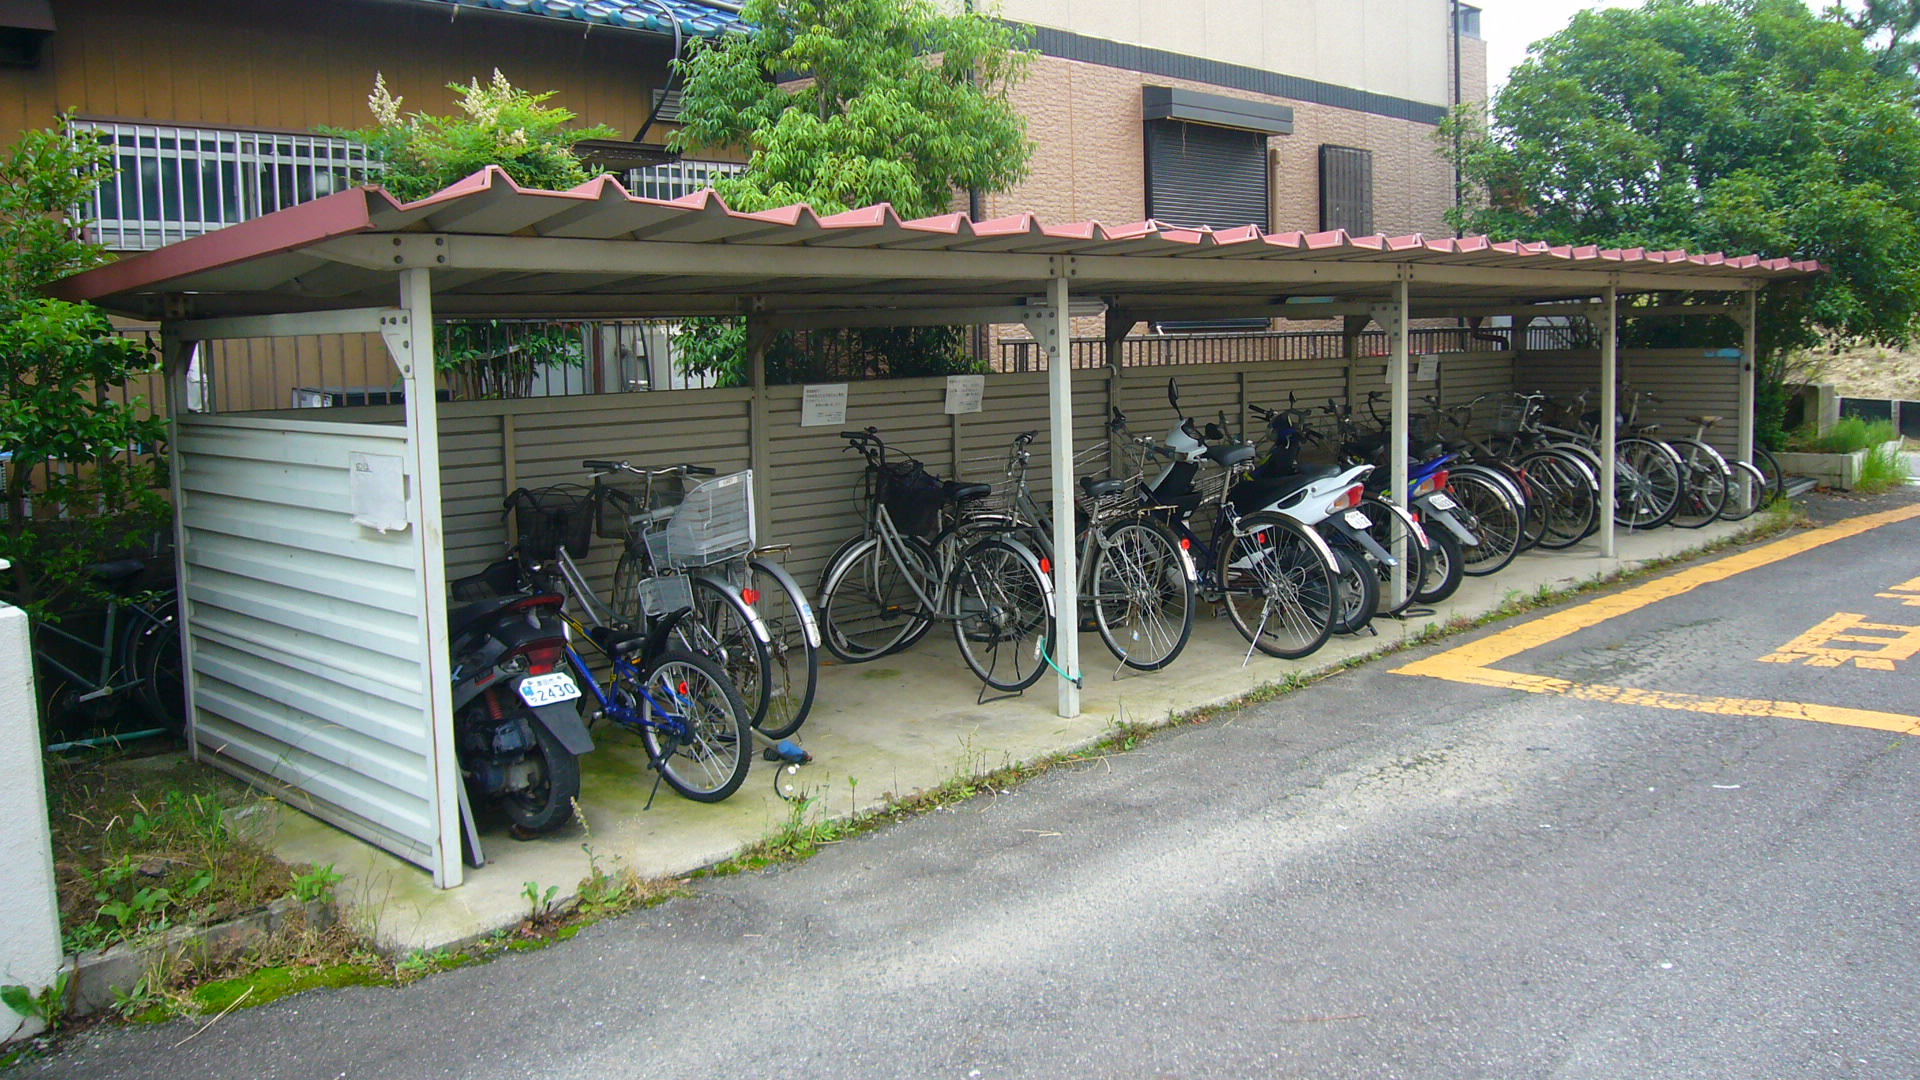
column 1705, row 421
column 117, row 571
column 953, row 491
column 1100, row 489
column 1645, row 429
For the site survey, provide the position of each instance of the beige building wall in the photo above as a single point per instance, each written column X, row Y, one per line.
column 1089, row 156
column 1383, row 46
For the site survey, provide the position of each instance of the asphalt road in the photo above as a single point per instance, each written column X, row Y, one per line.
column 1381, row 876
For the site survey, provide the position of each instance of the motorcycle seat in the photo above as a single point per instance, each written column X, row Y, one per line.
column 466, row 616
column 1100, row 489
column 954, row 491
column 1262, row 492
column 1229, row 454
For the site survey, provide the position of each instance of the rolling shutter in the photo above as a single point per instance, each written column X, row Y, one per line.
column 1198, row 174
column 1346, row 190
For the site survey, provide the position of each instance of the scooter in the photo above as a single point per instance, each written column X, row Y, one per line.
column 517, row 728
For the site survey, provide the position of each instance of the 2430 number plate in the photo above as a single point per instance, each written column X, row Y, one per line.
column 538, row 690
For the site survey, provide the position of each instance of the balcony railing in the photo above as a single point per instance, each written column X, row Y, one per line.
column 174, row 182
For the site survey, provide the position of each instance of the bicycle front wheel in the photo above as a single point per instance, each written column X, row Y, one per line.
column 696, row 731
column 1565, row 497
column 721, row 627
column 1703, row 491
column 1142, row 594
column 1278, row 585
column 1769, row 469
column 792, row 647
column 1647, row 483
column 152, row 652
column 1004, row 614
column 1746, row 492
column 868, row 607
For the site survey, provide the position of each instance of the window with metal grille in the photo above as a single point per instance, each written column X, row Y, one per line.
column 677, row 178
column 1346, row 190
column 176, row 182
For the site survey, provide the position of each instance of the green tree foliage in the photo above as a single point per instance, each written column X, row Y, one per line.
column 500, row 125
column 1744, row 126
column 84, row 477
column 1891, row 27
column 882, row 101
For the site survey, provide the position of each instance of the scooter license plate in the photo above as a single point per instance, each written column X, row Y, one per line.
column 538, row 690
column 1441, row 502
column 1358, row 519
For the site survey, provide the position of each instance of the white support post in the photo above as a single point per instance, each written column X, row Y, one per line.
column 1393, row 318
column 176, row 364
column 1609, row 420
column 1749, row 362
column 1056, row 336
column 411, row 343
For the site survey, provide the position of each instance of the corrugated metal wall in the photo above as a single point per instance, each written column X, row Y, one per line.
column 1688, row 382
column 306, row 632
column 809, row 486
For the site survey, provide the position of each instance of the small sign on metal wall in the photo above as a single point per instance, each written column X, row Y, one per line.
column 964, row 393
column 823, row 405
column 377, row 490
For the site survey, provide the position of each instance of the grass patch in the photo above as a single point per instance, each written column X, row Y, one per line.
column 1884, row 469
column 1850, row 434
column 143, row 845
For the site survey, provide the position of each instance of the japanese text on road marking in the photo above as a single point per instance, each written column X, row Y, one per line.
column 1907, row 593
column 1834, row 641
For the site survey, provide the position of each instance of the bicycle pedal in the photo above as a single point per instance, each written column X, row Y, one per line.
column 1089, row 626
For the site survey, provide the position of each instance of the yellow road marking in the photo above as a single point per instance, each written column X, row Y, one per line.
column 1473, row 662
column 1816, row 645
column 1907, row 592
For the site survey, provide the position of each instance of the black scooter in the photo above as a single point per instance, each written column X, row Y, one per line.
column 517, row 727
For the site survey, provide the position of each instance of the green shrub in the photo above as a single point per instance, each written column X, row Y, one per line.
column 1850, row 434
column 1885, row 468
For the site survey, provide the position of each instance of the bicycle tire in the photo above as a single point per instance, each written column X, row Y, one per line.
column 1647, row 491
column 792, row 648
column 1746, row 491
column 152, row 653
column 1567, row 495
column 1003, row 609
column 1764, row 461
column 1358, row 590
column 624, row 601
column 867, row 609
column 1391, row 526
column 1703, row 494
column 1493, row 517
column 705, row 755
column 1272, row 566
column 1136, row 573
column 1441, row 577
column 720, row 627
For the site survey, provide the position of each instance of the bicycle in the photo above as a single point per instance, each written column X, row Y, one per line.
column 885, row 588
column 556, row 527
column 1647, row 472
column 1138, row 577
column 778, row 680
column 137, row 653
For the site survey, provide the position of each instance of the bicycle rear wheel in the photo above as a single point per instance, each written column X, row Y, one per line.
column 1004, row 610
column 1495, row 519
column 868, row 607
column 1142, row 594
column 699, row 739
column 1278, row 585
column 721, row 628
column 1703, row 493
column 1565, row 496
column 792, row 647
column 1770, row 470
column 1648, row 482
column 152, row 652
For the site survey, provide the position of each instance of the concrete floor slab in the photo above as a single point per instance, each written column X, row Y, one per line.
column 900, row 725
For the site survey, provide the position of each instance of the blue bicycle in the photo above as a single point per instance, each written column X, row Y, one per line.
column 696, row 730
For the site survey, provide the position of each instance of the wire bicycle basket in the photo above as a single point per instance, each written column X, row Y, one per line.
column 547, row 518
column 711, row 524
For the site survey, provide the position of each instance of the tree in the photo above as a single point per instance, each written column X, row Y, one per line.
column 421, row 154
column 84, row 476
column 1898, row 54
column 1744, row 126
column 894, row 101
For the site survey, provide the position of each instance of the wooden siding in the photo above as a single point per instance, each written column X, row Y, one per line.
column 292, row 67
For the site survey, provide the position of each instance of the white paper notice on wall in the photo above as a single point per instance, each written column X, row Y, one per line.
column 377, row 487
column 965, row 392
column 1429, row 369
column 823, row 405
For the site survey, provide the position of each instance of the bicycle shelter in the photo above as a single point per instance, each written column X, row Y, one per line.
column 313, row 555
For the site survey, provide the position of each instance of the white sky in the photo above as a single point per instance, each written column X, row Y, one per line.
column 1509, row 26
